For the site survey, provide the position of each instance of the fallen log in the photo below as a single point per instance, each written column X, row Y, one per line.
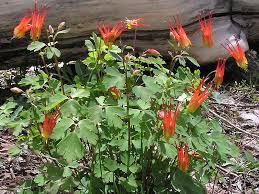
column 82, row 16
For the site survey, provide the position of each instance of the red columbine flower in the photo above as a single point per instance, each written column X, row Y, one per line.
column 153, row 52
column 183, row 159
column 115, row 92
column 49, row 124
column 237, row 53
column 169, row 119
column 135, row 23
column 22, row 28
column 198, row 97
column 219, row 75
column 206, row 29
column 179, row 34
column 38, row 18
column 110, row 35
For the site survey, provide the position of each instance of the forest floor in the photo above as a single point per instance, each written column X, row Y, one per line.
column 238, row 114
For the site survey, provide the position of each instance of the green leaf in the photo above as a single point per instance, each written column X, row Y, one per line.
column 96, row 114
column 114, row 116
column 89, row 45
column 142, row 92
column 87, row 131
column 113, row 78
column 111, row 165
column 194, row 61
column 249, row 157
column 151, row 84
column 36, row 46
column 184, row 184
column 115, row 56
column 39, row 180
column 61, row 127
column 50, row 54
column 67, row 172
column 71, row 107
column 182, row 61
column 168, row 150
column 80, row 93
column 55, row 51
column 14, row 151
column 54, row 101
column 71, row 148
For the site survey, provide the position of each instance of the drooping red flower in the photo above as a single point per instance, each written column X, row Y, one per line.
column 219, row 75
column 179, row 33
column 198, row 97
column 115, row 92
column 135, row 23
column 169, row 119
column 183, row 158
column 236, row 51
column 110, row 35
column 152, row 52
column 22, row 27
column 206, row 29
column 49, row 124
column 38, row 18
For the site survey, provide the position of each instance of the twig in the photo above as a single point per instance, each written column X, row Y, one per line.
column 236, row 127
column 237, row 105
column 227, row 171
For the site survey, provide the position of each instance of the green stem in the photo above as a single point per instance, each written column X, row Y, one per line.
column 45, row 66
column 59, row 74
column 128, row 116
column 99, row 150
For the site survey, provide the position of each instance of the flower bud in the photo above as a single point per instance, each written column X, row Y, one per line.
column 51, row 30
column 61, row 25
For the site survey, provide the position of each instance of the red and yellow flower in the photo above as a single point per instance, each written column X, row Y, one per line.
column 206, row 29
column 49, row 123
column 219, row 75
column 110, row 35
column 198, row 97
column 23, row 27
column 134, row 23
column 183, row 158
column 169, row 119
column 237, row 52
column 38, row 18
column 179, row 34
column 115, row 92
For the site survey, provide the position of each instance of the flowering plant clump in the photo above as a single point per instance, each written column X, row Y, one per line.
column 122, row 123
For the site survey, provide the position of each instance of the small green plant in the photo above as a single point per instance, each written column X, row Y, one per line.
column 126, row 125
